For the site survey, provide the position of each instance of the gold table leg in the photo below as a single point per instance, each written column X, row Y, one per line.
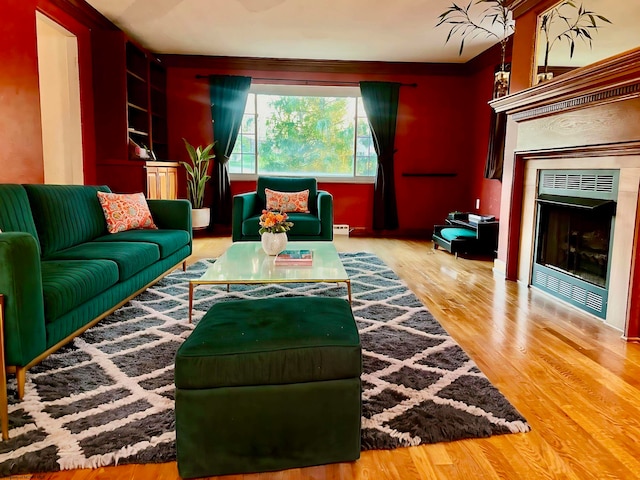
column 190, row 299
column 348, row 282
column 4, row 403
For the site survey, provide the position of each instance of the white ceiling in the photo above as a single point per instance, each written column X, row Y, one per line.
column 369, row 30
column 373, row 30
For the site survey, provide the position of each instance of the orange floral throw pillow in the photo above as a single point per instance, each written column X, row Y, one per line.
column 127, row 211
column 287, row 201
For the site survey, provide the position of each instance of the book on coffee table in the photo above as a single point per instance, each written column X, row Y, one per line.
column 295, row 257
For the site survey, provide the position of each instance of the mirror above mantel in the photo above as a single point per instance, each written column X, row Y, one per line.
column 610, row 39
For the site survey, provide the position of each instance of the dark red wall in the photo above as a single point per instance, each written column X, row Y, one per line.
column 21, row 155
column 433, row 130
column 487, row 191
column 20, row 128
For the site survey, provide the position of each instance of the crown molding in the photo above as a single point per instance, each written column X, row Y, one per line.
column 520, row 7
column 84, row 13
column 240, row 64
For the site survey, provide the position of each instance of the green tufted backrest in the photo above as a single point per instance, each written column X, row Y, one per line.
column 285, row 184
column 15, row 210
column 66, row 215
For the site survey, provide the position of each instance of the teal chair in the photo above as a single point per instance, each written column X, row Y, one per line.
column 312, row 226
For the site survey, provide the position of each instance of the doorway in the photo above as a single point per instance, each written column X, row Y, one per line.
column 59, row 82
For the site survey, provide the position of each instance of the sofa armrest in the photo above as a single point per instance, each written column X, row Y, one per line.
column 171, row 214
column 21, row 285
column 325, row 213
column 244, row 205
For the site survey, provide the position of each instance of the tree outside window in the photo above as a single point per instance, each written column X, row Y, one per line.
column 304, row 135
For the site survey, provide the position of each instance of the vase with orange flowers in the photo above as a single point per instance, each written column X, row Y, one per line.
column 273, row 230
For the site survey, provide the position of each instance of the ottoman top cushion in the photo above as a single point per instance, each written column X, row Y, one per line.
column 269, row 342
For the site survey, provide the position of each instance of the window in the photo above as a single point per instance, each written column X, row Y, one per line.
column 304, row 130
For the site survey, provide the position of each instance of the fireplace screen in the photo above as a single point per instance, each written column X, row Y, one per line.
column 575, row 240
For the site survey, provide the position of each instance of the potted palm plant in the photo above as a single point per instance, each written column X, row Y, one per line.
column 197, row 178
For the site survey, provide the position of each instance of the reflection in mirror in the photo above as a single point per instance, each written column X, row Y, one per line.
column 600, row 42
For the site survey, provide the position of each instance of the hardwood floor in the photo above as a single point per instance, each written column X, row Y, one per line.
column 576, row 381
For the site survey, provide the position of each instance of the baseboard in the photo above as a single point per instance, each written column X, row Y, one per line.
column 499, row 268
column 418, row 233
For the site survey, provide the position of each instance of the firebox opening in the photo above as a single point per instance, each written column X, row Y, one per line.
column 575, row 241
column 575, row 222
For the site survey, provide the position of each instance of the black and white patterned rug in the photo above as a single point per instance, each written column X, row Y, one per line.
column 107, row 398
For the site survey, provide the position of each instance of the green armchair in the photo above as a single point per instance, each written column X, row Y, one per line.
column 315, row 225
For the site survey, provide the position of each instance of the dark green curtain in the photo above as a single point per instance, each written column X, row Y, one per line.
column 495, row 154
column 228, row 100
column 380, row 100
column 498, row 132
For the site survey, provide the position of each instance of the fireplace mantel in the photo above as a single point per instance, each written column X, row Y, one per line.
column 587, row 118
column 613, row 79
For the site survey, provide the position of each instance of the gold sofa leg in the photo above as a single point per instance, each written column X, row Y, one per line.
column 21, row 376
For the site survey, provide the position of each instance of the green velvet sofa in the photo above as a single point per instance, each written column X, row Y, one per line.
column 62, row 271
column 313, row 226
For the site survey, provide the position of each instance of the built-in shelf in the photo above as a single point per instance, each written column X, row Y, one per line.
column 137, row 107
column 131, row 115
column 135, row 75
column 137, row 132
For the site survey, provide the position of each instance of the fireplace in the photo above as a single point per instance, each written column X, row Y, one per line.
column 587, row 119
column 575, row 219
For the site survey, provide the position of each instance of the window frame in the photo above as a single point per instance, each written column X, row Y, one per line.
column 311, row 91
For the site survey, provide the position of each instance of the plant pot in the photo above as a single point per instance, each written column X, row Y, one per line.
column 200, row 218
column 274, row 243
column 544, row 77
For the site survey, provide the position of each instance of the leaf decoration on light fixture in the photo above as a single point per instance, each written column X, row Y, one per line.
column 468, row 24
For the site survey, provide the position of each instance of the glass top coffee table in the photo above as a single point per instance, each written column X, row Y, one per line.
column 246, row 262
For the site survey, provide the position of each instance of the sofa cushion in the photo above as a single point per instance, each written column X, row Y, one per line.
column 453, row 233
column 15, row 211
column 66, row 215
column 303, row 224
column 67, row 284
column 125, row 211
column 168, row 241
column 271, row 341
column 131, row 257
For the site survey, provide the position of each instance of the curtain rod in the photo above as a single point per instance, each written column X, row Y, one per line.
column 313, row 82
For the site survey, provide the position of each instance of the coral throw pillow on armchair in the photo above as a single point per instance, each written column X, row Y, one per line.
column 125, row 211
column 287, row 201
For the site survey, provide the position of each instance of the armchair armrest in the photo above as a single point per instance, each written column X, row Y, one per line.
column 244, row 205
column 325, row 213
column 21, row 285
column 171, row 214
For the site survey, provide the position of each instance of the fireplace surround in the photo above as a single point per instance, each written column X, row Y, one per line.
column 588, row 119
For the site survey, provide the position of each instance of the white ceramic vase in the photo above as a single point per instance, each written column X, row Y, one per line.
column 273, row 243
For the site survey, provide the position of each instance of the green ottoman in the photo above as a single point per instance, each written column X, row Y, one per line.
column 268, row 384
